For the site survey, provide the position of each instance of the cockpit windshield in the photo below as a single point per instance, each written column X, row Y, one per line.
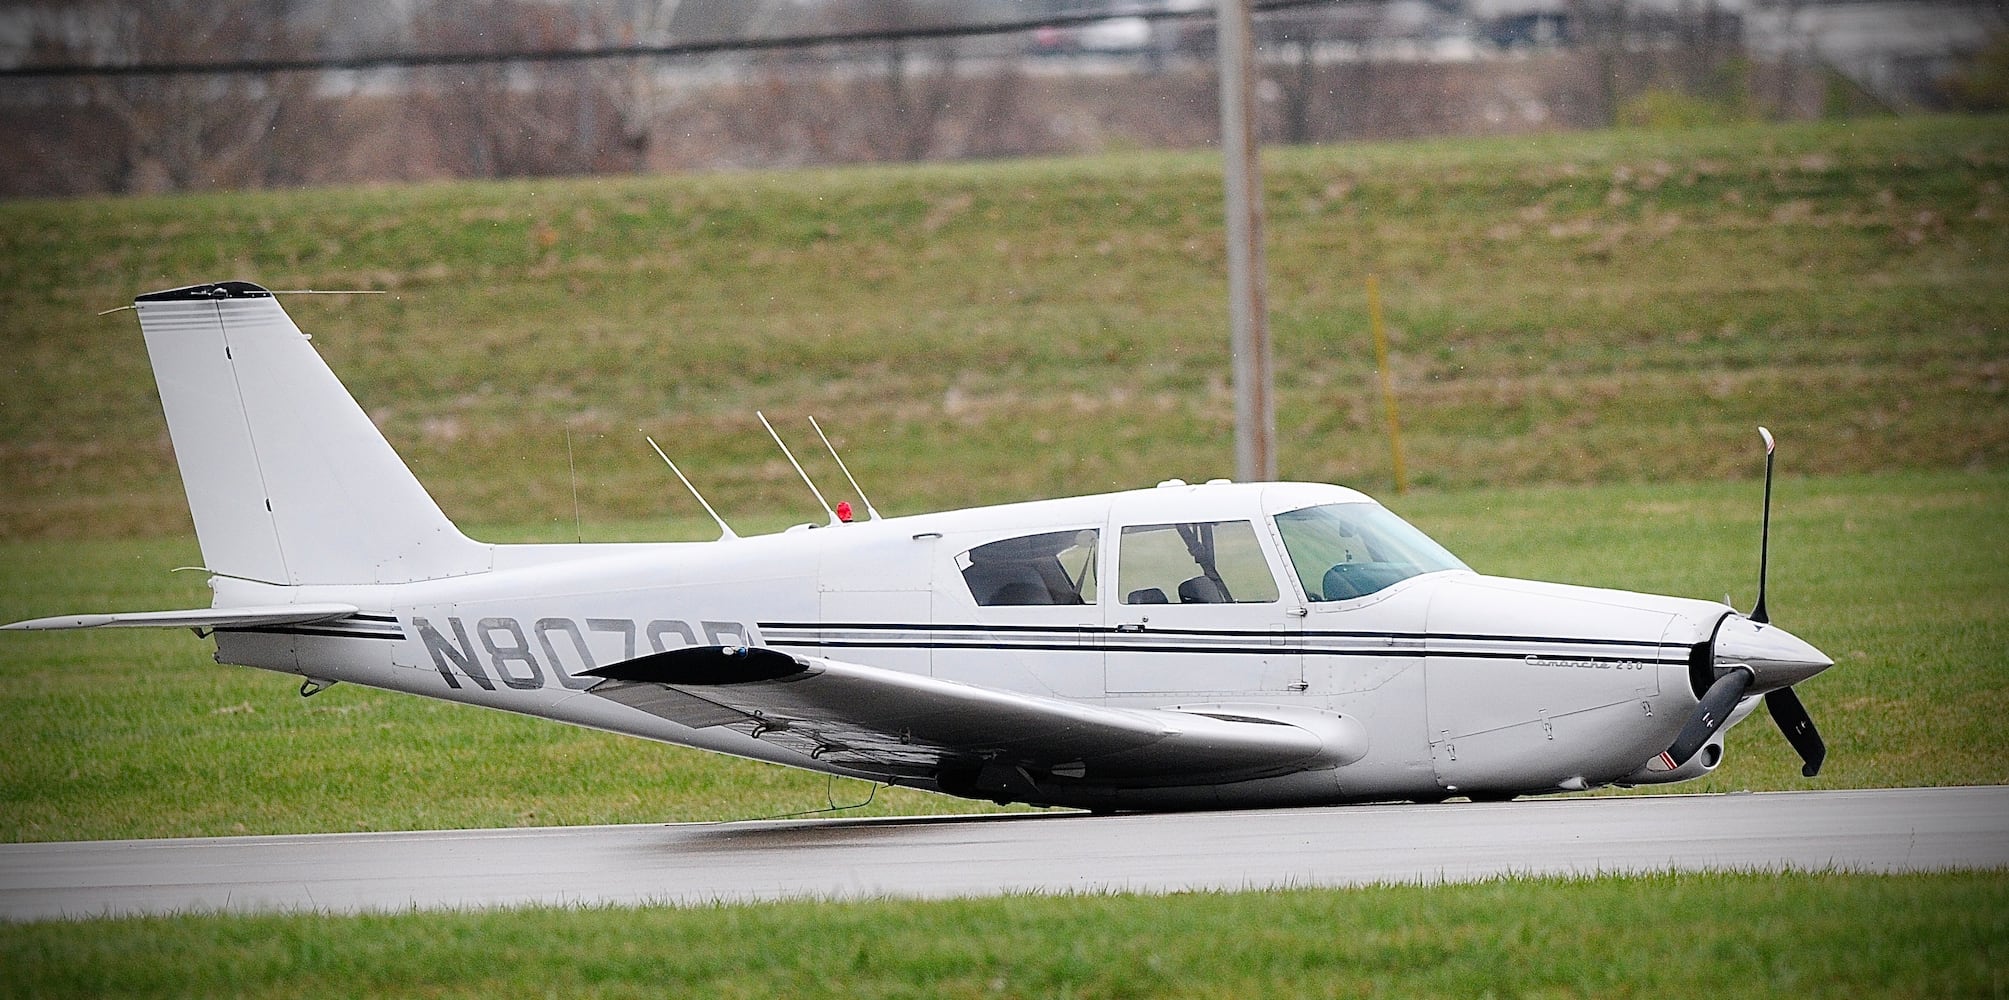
column 1346, row 550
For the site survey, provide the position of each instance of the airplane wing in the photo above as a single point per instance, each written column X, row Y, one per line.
column 246, row 617
column 968, row 739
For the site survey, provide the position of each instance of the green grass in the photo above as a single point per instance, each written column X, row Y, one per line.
column 1729, row 935
column 136, row 734
column 1574, row 308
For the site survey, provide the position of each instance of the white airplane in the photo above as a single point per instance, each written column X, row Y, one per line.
column 1187, row 646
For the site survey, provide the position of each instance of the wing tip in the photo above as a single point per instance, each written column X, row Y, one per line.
column 57, row 622
column 241, row 617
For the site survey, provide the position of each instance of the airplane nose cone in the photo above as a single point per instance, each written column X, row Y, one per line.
column 1777, row 658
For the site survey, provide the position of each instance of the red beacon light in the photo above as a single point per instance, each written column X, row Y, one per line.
column 844, row 511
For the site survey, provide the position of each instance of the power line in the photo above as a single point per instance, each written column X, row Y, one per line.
column 410, row 60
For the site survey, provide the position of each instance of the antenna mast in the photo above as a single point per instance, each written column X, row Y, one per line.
column 725, row 530
column 855, row 488
column 572, row 470
column 798, row 467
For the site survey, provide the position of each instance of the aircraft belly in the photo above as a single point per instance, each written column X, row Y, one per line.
column 1597, row 745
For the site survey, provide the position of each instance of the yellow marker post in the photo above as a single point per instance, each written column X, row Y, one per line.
column 1387, row 380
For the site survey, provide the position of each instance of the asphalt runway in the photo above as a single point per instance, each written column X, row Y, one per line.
column 694, row 863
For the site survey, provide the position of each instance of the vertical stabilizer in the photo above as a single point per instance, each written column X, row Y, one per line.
column 288, row 480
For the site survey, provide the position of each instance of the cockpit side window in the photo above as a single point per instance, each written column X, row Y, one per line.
column 1346, row 550
column 1057, row 567
column 1201, row 562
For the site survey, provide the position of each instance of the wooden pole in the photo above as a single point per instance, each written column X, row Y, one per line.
column 1248, row 309
column 1387, row 380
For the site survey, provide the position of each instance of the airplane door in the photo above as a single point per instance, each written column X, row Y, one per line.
column 1197, row 610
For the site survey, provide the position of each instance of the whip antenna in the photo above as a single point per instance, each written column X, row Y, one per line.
column 725, row 530
column 855, row 488
column 798, row 467
column 572, row 470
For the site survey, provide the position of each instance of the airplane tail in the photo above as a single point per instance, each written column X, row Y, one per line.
column 288, row 479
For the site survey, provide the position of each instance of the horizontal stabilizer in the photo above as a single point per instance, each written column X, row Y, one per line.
column 271, row 614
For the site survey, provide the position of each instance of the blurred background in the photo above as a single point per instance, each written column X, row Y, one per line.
column 324, row 92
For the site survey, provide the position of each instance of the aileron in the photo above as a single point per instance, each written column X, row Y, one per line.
column 246, row 617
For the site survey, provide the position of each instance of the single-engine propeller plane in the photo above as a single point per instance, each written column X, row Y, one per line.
column 1183, row 646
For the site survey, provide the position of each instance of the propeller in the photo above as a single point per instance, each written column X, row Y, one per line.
column 1758, row 613
column 1750, row 652
column 1717, row 702
column 1799, row 728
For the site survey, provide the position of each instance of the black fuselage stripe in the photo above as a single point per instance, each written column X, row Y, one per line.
column 1206, row 642
column 337, row 633
column 884, row 627
column 1071, row 640
column 1407, row 653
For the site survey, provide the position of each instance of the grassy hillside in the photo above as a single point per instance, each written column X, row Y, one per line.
column 1579, row 308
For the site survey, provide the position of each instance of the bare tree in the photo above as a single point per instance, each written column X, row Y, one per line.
column 891, row 102
column 144, row 134
column 633, row 88
column 504, row 119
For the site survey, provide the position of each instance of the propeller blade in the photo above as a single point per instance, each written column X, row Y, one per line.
column 1758, row 613
column 1799, row 728
column 1709, row 715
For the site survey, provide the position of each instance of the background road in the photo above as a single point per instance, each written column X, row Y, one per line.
column 1876, row 830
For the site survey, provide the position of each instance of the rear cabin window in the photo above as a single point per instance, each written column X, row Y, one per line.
column 1202, row 562
column 1057, row 567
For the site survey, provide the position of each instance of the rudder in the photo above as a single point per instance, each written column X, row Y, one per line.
column 288, row 480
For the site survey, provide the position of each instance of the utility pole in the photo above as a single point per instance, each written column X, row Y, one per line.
column 1248, row 305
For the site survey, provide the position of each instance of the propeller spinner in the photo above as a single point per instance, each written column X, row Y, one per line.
column 1750, row 654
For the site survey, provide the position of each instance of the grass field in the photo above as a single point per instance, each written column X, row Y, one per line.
column 1813, row 935
column 1899, row 576
column 1587, row 328
column 1574, row 308
column 1614, row 308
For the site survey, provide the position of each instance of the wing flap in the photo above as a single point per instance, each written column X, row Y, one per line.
column 670, row 703
column 245, row 617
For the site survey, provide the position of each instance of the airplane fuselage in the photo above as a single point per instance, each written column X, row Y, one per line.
column 1178, row 647
column 1465, row 684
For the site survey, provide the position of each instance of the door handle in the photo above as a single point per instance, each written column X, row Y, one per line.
column 1130, row 627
